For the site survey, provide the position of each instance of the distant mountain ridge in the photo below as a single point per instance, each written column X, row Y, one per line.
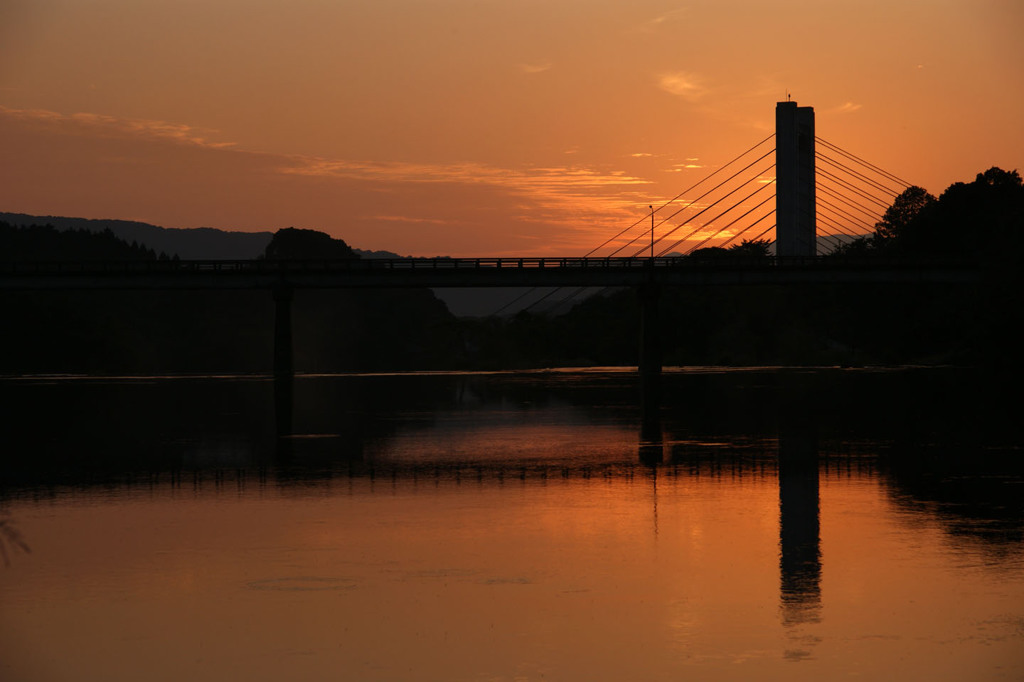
column 196, row 243
column 208, row 243
column 201, row 243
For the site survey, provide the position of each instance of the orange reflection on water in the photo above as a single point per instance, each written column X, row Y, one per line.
column 638, row 574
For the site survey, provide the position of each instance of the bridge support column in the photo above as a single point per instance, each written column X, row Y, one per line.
column 649, row 365
column 284, row 372
column 795, row 207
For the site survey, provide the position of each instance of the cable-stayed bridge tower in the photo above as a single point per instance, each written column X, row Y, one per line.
column 795, row 206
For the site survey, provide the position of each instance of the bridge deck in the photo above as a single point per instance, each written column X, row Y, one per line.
column 469, row 272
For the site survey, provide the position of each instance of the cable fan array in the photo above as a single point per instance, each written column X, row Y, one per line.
column 683, row 225
column 736, row 202
column 851, row 195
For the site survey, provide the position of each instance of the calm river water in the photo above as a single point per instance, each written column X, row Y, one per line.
column 762, row 524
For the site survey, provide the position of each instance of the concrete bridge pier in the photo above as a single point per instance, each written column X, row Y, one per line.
column 284, row 372
column 649, row 365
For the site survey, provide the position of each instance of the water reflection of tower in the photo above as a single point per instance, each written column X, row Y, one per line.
column 284, row 372
column 799, row 525
column 652, row 442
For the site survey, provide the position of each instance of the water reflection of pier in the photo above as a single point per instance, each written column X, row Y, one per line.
column 797, row 465
column 799, row 527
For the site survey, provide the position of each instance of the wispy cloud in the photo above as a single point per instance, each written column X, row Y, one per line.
column 408, row 219
column 689, row 165
column 110, row 125
column 575, row 178
column 540, row 67
column 568, row 181
column 562, row 194
column 846, row 108
column 682, row 84
column 661, row 20
column 578, row 199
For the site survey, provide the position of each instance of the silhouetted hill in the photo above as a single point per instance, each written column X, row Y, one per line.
column 385, row 329
column 201, row 243
column 297, row 244
column 210, row 331
column 377, row 254
column 207, row 243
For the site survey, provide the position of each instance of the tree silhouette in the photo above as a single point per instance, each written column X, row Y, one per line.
column 296, row 244
column 905, row 209
column 46, row 243
column 981, row 221
column 751, row 248
column 746, row 251
column 984, row 217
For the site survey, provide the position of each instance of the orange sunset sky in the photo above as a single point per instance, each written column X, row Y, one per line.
column 477, row 127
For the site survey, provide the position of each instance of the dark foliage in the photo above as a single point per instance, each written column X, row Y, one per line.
column 198, row 243
column 979, row 223
column 295, row 244
column 383, row 329
column 899, row 218
column 983, row 219
column 46, row 243
column 746, row 251
column 210, row 331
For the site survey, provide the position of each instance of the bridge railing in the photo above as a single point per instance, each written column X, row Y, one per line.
column 281, row 267
column 316, row 265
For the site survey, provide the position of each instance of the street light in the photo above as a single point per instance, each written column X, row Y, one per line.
column 652, row 233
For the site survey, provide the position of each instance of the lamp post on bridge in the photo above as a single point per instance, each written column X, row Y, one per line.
column 649, row 361
column 652, row 233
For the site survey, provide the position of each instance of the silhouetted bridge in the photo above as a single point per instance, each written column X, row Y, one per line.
column 797, row 232
column 476, row 272
column 647, row 275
